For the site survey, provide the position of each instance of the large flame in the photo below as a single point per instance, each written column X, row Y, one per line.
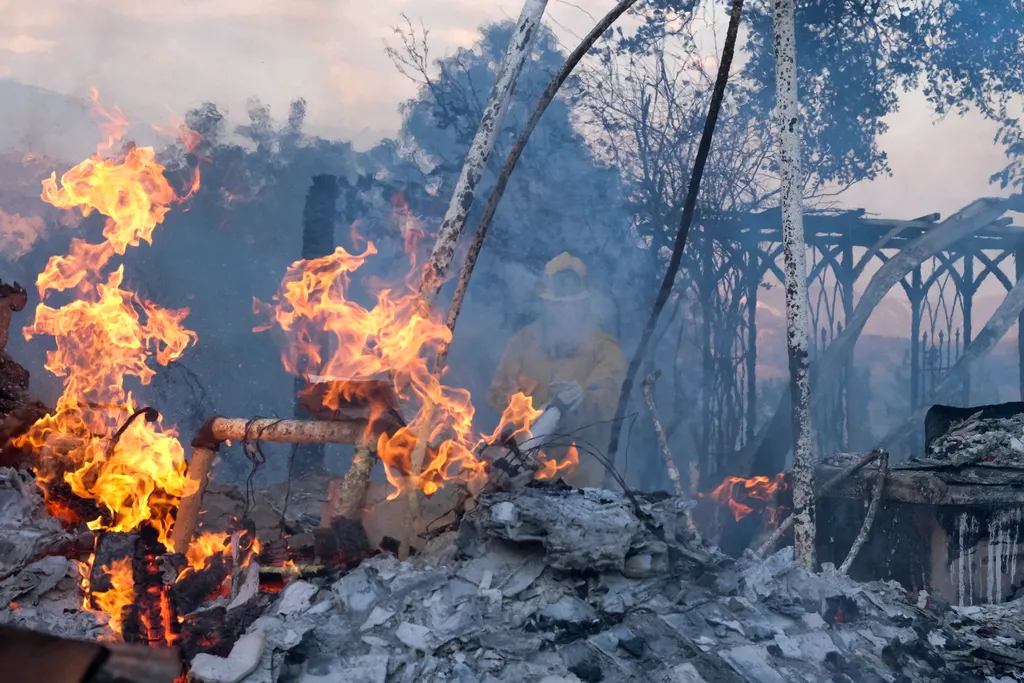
column 394, row 339
column 106, row 335
column 119, row 596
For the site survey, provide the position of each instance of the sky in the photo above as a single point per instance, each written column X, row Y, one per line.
column 158, row 59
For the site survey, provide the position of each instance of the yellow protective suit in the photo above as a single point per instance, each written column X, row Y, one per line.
column 598, row 367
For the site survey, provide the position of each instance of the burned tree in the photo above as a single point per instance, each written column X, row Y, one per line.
column 317, row 241
column 798, row 332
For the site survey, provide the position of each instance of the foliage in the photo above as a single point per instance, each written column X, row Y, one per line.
column 560, row 198
column 856, row 57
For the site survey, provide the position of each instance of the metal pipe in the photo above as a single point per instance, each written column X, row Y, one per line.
column 220, row 429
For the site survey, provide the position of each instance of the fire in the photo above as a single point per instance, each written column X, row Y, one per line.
column 736, row 493
column 551, row 468
column 206, row 546
column 121, row 593
column 393, row 338
column 94, row 443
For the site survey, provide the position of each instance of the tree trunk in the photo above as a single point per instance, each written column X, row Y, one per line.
column 519, row 49
column 317, row 242
column 454, row 222
column 775, row 439
column 548, row 96
column 798, row 321
column 689, row 209
column 994, row 330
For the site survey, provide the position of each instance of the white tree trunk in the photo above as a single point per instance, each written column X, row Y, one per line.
column 798, row 321
column 519, row 49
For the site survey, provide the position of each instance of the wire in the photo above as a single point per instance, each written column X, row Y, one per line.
column 151, row 414
column 253, row 452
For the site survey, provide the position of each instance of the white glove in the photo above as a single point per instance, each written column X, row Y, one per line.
column 567, row 395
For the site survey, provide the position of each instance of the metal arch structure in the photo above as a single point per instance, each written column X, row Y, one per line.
column 741, row 254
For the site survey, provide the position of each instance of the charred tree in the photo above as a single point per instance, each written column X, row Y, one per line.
column 317, row 242
column 454, row 222
column 459, row 296
column 798, row 320
column 519, row 49
column 689, row 208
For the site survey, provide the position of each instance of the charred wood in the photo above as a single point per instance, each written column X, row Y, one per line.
column 31, row 657
column 111, row 547
column 193, row 587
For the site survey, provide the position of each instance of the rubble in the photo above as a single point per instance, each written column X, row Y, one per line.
column 547, row 583
column 520, row 602
column 950, row 520
column 39, row 590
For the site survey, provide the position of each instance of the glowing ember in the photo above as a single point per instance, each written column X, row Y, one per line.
column 393, row 338
column 744, row 495
column 121, row 594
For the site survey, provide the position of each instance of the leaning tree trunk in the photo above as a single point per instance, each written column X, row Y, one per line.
column 454, row 222
column 774, row 441
column 546, row 98
column 317, row 241
column 689, row 209
column 996, row 327
column 798, row 320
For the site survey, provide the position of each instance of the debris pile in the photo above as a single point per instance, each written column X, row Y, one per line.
column 978, row 441
column 40, row 587
column 552, row 583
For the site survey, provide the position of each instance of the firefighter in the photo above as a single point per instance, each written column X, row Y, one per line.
column 565, row 358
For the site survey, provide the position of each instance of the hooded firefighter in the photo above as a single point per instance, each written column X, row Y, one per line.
column 565, row 358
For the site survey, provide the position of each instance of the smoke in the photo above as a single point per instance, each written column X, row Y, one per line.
column 18, row 234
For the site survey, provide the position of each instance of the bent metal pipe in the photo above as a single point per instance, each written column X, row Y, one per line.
column 218, row 429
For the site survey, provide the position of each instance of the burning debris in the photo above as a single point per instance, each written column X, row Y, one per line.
column 106, row 534
column 560, row 584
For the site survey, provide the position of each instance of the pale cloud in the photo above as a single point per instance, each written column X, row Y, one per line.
column 24, row 44
column 148, row 57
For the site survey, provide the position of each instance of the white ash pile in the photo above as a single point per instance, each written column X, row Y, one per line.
column 556, row 584
column 40, row 587
column 994, row 442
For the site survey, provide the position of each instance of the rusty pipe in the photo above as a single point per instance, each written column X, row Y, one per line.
column 219, row 429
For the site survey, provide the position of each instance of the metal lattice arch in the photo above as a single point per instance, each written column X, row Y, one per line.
column 741, row 255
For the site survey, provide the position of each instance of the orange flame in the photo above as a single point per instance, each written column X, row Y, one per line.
column 737, row 492
column 106, row 335
column 550, row 467
column 120, row 595
column 393, row 339
column 205, row 547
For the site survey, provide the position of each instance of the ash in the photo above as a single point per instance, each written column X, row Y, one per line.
column 556, row 584
column 980, row 442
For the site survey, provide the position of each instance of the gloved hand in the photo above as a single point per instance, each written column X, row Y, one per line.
column 568, row 396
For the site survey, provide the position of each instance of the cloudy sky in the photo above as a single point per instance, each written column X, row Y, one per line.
column 153, row 58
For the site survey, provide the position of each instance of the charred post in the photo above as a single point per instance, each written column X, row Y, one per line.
column 317, row 242
column 798, row 321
